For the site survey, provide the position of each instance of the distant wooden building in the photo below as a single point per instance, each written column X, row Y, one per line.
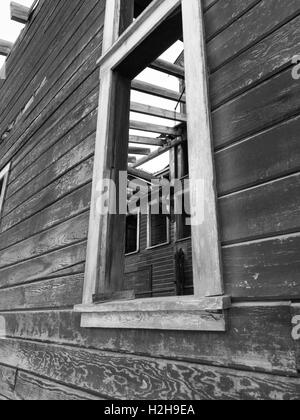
column 208, row 311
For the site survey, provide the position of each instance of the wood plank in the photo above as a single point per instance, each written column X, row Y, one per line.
column 295, row 311
column 159, row 152
column 140, row 30
column 131, row 159
column 168, row 68
column 157, row 112
column 65, row 234
column 205, row 231
column 19, row 12
column 250, row 162
column 7, row 381
column 37, row 57
column 154, row 128
column 158, row 91
column 44, row 266
column 5, row 47
column 263, row 269
column 184, row 380
column 75, row 178
column 247, row 344
column 181, row 314
column 234, row 40
column 69, row 88
column 259, row 62
column 34, row 388
column 145, row 140
column 60, row 292
column 267, row 210
column 104, row 260
column 69, row 206
column 139, row 151
column 47, row 154
column 59, row 168
column 254, row 111
column 141, row 174
column 223, row 14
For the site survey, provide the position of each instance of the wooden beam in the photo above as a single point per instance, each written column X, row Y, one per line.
column 157, row 12
column 158, row 91
column 131, row 159
column 207, row 262
column 154, row 128
column 139, row 151
column 157, row 112
column 19, row 12
column 104, row 271
column 3, row 72
column 138, row 173
column 5, row 47
column 168, row 68
column 145, row 140
column 159, row 152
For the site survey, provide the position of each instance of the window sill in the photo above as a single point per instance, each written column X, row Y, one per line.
column 184, row 313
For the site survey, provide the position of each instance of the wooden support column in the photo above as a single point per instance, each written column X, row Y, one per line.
column 205, row 235
column 105, row 258
column 19, row 12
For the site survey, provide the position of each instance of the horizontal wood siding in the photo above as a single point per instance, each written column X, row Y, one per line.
column 48, row 113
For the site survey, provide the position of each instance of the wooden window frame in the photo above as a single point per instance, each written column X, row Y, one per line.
column 138, row 241
column 4, row 175
column 104, row 276
column 149, row 246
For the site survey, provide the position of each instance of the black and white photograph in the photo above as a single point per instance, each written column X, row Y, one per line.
column 150, row 203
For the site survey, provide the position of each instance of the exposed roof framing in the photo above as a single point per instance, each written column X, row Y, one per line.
column 19, row 12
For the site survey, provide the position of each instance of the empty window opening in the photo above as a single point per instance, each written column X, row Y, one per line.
column 158, row 149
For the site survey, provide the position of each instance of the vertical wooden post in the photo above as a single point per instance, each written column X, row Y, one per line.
column 106, row 239
column 205, row 234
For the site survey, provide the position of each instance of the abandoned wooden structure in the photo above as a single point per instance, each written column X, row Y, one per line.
column 208, row 311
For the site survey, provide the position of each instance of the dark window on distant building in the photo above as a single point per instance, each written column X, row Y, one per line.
column 132, row 234
column 158, row 230
column 183, row 228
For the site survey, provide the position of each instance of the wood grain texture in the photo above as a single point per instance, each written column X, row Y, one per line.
column 145, row 377
column 31, row 387
column 65, row 291
column 249, row 342
column 295, row 312
column 259, row 158
column 7, row 381
column 263, row 269
column 249, row 29
column 267, row 210
column 48, row 109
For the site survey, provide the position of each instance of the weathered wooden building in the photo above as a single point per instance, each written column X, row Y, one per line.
column 235, row 333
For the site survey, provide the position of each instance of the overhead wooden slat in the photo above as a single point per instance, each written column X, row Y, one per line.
column 139, row 151
column 168, row 68
column 159, row 152
column 131, row 159
column 157, row 91
column 138, row 173
column 145, row 140
column 2, row 73
column 154, row 128
column 5, row 47
column 19, row 12
column 157, row 112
